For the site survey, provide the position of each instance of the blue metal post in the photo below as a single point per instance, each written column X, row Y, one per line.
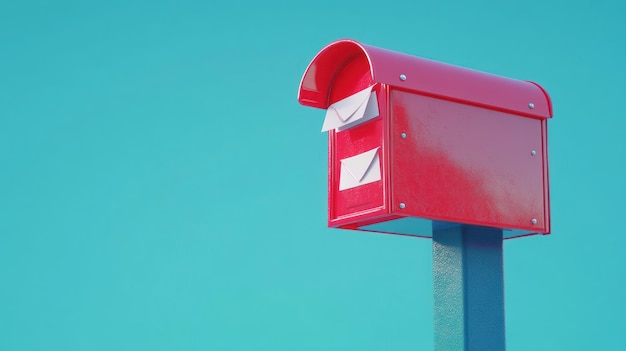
column 468, row 282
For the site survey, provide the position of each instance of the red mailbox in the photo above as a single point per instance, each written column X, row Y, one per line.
column 416, row 144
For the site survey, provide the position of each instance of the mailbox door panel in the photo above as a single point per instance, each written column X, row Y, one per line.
column 356, row 154
column 465, row 164
column 363, row 194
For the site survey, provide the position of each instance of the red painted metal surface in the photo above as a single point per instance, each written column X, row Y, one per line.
column 467, row 155
column 354, row 141
column 463, row 164
column 422, row 76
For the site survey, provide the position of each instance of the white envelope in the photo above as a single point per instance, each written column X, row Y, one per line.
column 360, row 169
column 353, row 110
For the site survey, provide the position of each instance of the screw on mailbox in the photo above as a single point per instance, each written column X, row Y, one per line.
column 534, row 221
column 533, row 152
column 402, row 205
column 403, row 135
column 531, row 105
column 402, row 77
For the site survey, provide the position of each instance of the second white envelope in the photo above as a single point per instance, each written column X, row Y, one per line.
column 359, row 170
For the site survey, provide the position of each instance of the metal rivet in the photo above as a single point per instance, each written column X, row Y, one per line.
column 402, row 77
column 533, row 221
column 531, row 105
column 403, row 135
column 402, row 205
column 533, row 152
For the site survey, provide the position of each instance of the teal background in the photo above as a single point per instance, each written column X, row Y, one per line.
column 162, row 189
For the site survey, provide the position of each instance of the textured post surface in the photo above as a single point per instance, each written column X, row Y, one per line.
column 468, row 283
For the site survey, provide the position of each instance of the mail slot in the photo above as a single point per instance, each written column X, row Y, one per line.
column 416, row 145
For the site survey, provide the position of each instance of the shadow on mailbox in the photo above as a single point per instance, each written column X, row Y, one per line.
column 416, row 144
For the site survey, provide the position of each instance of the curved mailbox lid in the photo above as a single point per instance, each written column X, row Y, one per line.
column 425, row 77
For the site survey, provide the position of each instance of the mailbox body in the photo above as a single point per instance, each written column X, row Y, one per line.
column 455, row 146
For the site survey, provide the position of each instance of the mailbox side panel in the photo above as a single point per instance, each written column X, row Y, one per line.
column 465, row 164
